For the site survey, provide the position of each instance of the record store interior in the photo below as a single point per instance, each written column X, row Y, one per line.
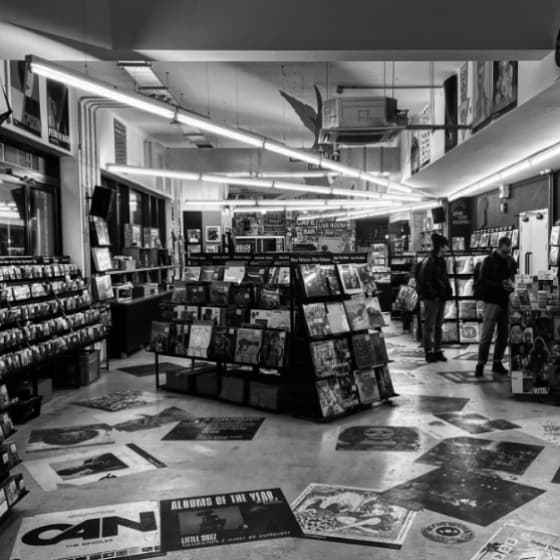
column 279, row 280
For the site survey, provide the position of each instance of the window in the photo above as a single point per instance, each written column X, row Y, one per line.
column 41, row 222
column 12, row 220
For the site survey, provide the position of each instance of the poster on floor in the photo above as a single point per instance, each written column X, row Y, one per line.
column 435, row 427
column 71, row 436
column 512, row 542
column 114, row 531
column 119, row 400
column 378, row 438
column 226, row 519
column 546, row 428
column 354, row 515
column 144, row 421
column 213, row 428
column 85, row 467
column 469, row 496
column 24, row 96
column 476, row 423
column 467, row 377
column 58, row 114
column 476, row 454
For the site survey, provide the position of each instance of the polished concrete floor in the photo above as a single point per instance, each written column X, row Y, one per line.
column 290, row 453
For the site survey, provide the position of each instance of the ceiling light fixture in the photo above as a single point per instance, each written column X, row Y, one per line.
column 281, row 174
column 382, row 212
column 307, row 204
column 179, row 115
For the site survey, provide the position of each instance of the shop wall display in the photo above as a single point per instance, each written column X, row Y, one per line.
column 353, row 515
column 504, row 90
column 482, row 94
column 226, row 519
column 73, row 436
column 137, row 533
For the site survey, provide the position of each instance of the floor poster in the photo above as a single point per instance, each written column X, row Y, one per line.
column 354, row 515
column 139, row 421
column 474, row 423
column 85, row 467
column 432, row 404
column 378, row 438
column 119, row 400
column 214, row 428
column 468, row 377
column 71, row 436
column 226, row 519
column 115, row 531
column 546, row 428
column 467, row 496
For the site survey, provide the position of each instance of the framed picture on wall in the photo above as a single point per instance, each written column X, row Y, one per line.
column 482, row 94
column 504, row 88
column 213, row 234
column 193, row 236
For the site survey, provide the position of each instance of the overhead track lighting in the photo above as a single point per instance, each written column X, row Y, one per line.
column 179, row 115
column 382, row 212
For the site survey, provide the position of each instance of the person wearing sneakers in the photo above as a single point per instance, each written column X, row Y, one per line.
column 495, row 285
column 433, row 287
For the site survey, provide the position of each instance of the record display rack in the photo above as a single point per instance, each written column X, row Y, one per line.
column 277, row 307
column 45, row 311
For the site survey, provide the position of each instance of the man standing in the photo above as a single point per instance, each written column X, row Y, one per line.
column 433, row 287
column 494, row 286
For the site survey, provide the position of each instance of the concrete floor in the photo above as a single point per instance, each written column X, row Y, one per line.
column 291, row 453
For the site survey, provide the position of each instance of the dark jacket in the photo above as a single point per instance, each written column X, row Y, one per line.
column 494, row 271
column 432, row 280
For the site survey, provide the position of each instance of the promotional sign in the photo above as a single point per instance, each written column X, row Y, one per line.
column 115, row 531
column 225, row 519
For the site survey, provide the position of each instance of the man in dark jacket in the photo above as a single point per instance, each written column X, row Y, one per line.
column 434, row 289
column 495, row 285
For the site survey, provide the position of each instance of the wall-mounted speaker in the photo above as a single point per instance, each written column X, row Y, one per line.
column 101, row 202
column 438, row 215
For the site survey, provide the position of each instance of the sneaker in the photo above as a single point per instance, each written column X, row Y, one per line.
column 479, row 370
column 497, row 367
column 440, row 356
column 431, row 357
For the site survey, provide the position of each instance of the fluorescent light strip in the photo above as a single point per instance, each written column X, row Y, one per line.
column 138, row 101
column 366, row 213
column 319, row 203
column 322, row 216
column 280, row 174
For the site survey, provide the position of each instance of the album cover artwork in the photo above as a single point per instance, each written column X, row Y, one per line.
column 469, row 496
column 512, row 542
column 337, row 318
column 213, row 428
column 467, row 310
column 242, row 296
column 136, row 533
column 384, row 383
column 195, row 294
column 255, row 274
column 357, row 313
column 271, row 318
column 270, row 298
column 554, row 254
column 149, row 421
column 273, row 349
column 378, row 438
column 329, row 272
column 316, row 319
column 93, row 465
column 474, row 423
column 103, row 287
column 101, row 259
column 494, row 238
column 279, row 276
column 363, row 350
column 202, row 521
column 219, row 293
column 211, row 273
column 473, row 454
column 222, row 345
column 330, row 397
column 192, row 273
column 236, row 316
column 211, row 314
column 119, row 400
column 9, row 456
column 353, row 515
column 469, row 333
column 159, row 336
column 100, row 231
column 194, row 236
column 374, row 313
column 190, row 313
column 484, row 239
column 449, row 333
column 348, row 390
column 351, row 283
column 343, row 357
column 433, row 426
column 367, row 278
column 181, row 343
column 366, row 385
column 379, row 347
column 234, row 274
column 315, row 283
column 199, row 339
column 72, row 436
column 248, row 346
column 324, row 357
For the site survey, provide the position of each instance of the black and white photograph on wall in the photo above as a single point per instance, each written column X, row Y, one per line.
column 58, row 114
column 24, row 94
column 137, row 533
column 213, row 234
column 482, row 94
column 504, row 91
column 194, row 236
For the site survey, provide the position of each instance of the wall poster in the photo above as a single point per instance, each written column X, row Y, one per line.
column 482, row 94
column 58, row 114
column 464, row 99
column 504, row 90
column 24, row 94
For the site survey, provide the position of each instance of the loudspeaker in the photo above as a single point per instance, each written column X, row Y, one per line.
column 101, row 202
column 438, row 215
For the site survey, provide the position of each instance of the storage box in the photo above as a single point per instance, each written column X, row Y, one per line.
column 207, row 384
column 77, row 369
column 234, row 389
column 264, row 395
column 181, row 381
column 25, row 409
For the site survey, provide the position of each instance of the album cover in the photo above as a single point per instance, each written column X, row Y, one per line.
column 269, row 297
column 555, row 235
column 100, row 230
column 6, row 426
column 194, row 236
column 181, row 343
column 211, row 314
column 473, row 423
column 467, row 310
column 366, row 384
column 279, row 276
column 222, row 428
column 475, row 240
column 119, row 400
column 273, row 349
column 348, row 390
column 450, row 332
column 255, row 275
column 465, row 495
column 143, row 421
column 329, row 272
column 234, row 274
column 315, row 283
column 159, row 337
column 271, row 318
column 553, row 259
column 211, row 273
column 242, row 296
column 469, row 333
column 473, row 454
column 374, row 313
column 101, row 259
column 484, row 239
column 351, row 283
column 190, row 313
column 9, row 456
column 363, row 351
column 324, row 357
column 72, row 436
column 103, row 287
column 450, row 309
column 494, row 238
column 379, row 347
column 378, row 438
column 464, row 265
column 316, row 319
column 195, row 294
column 199, row 339
column 384, row 383
column 219, row 293
column 330, row 397
column 353, row 515
column 179, row 293
column 248, row 516
column 367, row 278
column 236, row 316
column 336, row 316
column 357, row 313
column 222, row 346
column 464, row 287
column 85, row 467
column 248, row 346
column 515, row 238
